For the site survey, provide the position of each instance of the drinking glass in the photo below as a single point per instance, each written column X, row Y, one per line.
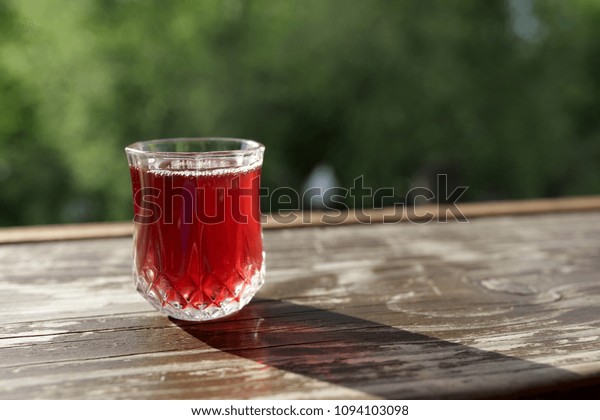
column 198, row 251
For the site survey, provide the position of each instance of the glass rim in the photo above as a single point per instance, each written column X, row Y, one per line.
column 252, row 147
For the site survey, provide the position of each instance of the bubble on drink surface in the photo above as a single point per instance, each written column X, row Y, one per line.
column 206, row 171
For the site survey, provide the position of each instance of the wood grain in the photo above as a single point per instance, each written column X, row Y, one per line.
column 495, row 308
column 419, row 214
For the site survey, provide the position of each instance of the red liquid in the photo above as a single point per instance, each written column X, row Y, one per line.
column 198, row 243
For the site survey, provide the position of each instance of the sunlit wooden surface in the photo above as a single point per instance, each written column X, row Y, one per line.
column 499, row 307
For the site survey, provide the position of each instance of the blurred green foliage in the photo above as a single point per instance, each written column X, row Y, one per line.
column 502, row 95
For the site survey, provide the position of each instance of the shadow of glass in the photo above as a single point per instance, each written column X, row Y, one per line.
column 371, row 357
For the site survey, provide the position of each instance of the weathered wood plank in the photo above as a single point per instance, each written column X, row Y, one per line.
column 493, row 308
column 65, row 232
column 318, row 218
column 425, row 213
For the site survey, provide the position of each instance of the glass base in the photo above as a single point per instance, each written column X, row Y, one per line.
column 204, row 312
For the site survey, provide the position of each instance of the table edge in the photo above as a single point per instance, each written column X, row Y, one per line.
column 419, row 214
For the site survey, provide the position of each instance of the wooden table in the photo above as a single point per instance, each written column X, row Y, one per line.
column 499, row 307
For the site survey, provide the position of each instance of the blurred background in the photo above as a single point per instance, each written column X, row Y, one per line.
column 502, row 95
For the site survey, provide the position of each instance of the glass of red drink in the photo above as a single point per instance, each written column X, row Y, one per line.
column 198, row 251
